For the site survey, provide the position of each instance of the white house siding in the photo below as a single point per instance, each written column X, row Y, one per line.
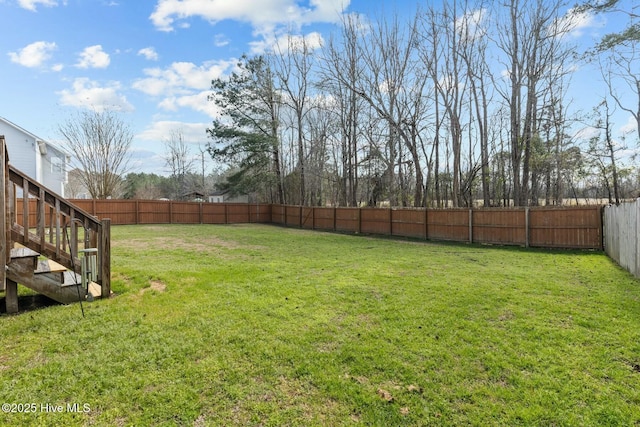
column 21, row 148
column 53, row 165
column 35, row 157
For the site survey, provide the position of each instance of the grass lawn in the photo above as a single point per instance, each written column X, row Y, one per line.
column 259, row 325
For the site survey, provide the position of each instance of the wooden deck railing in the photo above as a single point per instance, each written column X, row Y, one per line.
column 61, row 231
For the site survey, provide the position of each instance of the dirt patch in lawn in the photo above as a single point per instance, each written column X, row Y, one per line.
column 154, row 285
column 4, row 363
column 202, row 244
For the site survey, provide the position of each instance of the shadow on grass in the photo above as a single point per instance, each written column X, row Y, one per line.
column 28, row 303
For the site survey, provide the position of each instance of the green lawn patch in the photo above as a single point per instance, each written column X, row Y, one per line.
column 260, row 325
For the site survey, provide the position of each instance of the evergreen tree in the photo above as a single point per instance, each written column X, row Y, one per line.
column 246, row 134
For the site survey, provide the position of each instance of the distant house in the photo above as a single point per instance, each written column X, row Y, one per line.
column 192, row 196
column 35, row 157
column 224, row 196
column 75, row 188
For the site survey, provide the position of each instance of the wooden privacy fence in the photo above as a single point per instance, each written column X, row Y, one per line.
column 129, row 212
column 571, row 227
column 621, row 226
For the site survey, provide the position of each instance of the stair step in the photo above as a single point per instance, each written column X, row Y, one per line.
column 23, row 252
column 71, row 279
column 95, row 290
column 49, row 266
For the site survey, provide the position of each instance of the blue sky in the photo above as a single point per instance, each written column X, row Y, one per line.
column 154, row 59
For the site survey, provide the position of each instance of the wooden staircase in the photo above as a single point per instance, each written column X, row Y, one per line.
column 43, row 240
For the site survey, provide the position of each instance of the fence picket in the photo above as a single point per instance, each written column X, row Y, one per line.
column 621, row 225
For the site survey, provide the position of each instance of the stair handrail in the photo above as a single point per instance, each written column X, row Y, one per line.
column 50, row 239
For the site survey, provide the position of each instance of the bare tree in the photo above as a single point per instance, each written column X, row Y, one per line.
column 178, row 160
column 431, row 52
column 393, row 87
column 100, row 143
column 605, row 150
column 622, row 68
column 321, row 130
column 530, row 40
column 474, row 52
column 292, row 65
column 341, row 71
column 445, row 32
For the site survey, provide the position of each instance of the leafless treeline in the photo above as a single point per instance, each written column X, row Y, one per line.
column 467, row 101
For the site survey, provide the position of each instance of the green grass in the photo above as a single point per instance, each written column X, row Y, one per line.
column 258, row 325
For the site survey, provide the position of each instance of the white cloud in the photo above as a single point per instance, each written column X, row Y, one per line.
column 311, row 41
column 93, row 57
column 587, row 133
column 193, row 133
column 197, row 102
column 287, row 42
column 183, row 84
column 261, row 15
column 470, row 26
column 220, row 40
column 149, row 53
column 32, row 4
column 630, row 127
column 34, row 54
column 574, row 23
column 89, row 94
column 181, row 77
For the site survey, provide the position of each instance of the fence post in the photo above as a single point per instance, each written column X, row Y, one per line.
column 471, row 225
column 526, row 227
column 334, row 218
column 426, row 227
column 601, row 227
column 390, row 221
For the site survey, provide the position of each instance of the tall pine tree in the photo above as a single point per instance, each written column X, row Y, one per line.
column 246, row 133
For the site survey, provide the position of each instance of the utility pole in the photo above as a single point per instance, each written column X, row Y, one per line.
column 202, row 158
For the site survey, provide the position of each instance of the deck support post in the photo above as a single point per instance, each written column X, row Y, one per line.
column 104, row 253
column 11, row 296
